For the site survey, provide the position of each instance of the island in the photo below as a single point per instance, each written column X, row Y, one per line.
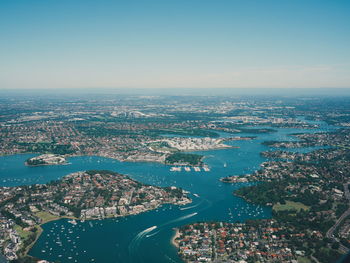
column 46, row 159
column 84, row 195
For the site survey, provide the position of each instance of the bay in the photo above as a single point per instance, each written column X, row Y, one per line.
column 147, row 237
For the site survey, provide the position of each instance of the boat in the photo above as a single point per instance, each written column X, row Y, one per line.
column 73, row 222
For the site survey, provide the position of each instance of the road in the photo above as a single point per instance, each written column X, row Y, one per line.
column 330, row 232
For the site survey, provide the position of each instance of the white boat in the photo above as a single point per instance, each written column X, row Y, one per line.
column 175, row 169
column 73, row 222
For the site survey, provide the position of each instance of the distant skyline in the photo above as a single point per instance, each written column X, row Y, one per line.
column 174, row 44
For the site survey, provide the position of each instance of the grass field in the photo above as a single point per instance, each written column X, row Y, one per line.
column 22, row 233
column 46, row 216
column 26, row 235
column 290, row 205
column 304, row 260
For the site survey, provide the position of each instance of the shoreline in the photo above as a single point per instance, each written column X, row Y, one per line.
column 175, row 236
column 45, row 164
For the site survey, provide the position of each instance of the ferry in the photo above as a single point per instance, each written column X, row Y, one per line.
column 151, row 228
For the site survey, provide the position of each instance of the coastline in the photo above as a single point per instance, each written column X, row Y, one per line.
column 175, row 236
column 45, row 164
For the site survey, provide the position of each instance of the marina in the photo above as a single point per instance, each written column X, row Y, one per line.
column 189, row 169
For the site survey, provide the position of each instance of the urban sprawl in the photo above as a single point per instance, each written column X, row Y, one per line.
column 307, row 192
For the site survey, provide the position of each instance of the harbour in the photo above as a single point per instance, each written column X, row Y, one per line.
column 93, row 241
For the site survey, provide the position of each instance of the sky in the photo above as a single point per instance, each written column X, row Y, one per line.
column 174, row 44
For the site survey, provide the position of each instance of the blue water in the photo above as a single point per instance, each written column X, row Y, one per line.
column 130, row 239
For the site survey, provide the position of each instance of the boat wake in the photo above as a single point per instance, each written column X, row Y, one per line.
column 135, row 243
column 179, row 219
column 151, row 235
column 189, row 207
column 144, row 232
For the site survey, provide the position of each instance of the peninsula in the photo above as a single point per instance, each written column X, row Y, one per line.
column 81, row 195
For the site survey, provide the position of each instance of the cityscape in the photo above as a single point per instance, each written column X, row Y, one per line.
column 303, row 180
column 184, row 131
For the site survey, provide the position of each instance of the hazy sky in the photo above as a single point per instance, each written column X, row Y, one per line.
column 174, row 43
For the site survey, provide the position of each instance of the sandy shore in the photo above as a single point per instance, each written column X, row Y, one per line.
column 176, row 235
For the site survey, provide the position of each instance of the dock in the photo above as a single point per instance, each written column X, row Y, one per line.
column 188, row 169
